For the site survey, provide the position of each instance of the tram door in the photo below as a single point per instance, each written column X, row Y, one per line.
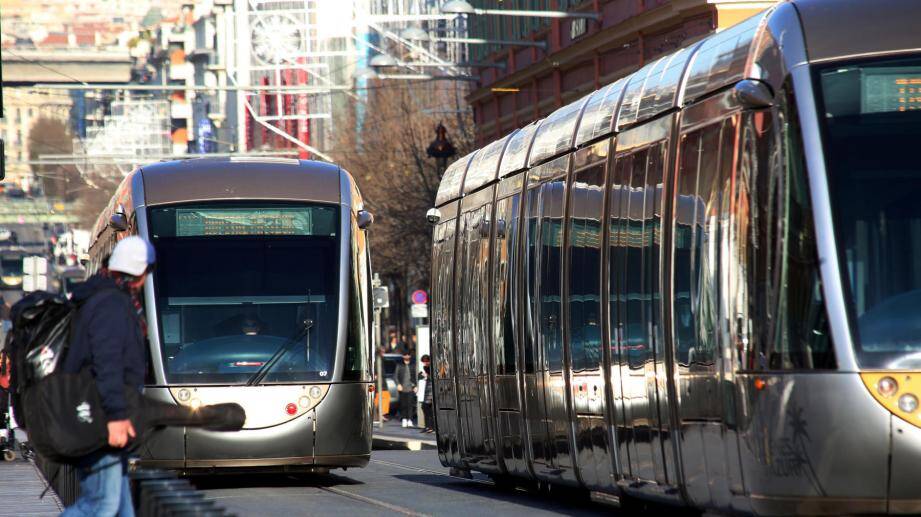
column 548, row 411
column 505, row 260
column 637, row 318
column 443, row 267
column 586, row 354
column 702, row 301
column 473, row 317
column 535, row 407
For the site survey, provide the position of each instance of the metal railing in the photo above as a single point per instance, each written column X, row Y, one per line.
column 155, row 493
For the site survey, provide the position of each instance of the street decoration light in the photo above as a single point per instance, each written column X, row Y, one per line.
column 464, row 7
column 369, row 73
column 419, row 34
column 276, row 38
column 385, row 60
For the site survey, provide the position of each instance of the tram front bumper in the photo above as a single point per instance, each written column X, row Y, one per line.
column 284, row 444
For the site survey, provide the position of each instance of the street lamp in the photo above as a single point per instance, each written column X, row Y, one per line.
column 464, row 7
column 441, row 148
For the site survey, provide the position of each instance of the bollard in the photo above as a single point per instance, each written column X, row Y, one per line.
column 201, row 512
column 150, row 489
column 138, row 476
column 149, row 509
column 172, row 506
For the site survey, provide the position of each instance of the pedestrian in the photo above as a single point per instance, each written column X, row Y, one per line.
column 393, row 345
column 427, row 390
column 109, row 337
column 405, row 378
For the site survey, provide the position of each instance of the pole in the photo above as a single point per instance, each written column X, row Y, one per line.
column 379, row 367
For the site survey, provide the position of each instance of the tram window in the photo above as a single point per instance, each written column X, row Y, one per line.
column 584, row 295
column 549, row 289
column 356, row 352
column 872, row 113
column 443, row 301
column 231, row 316
column 685, row 247
column 801, row 330
column 531, row 248
column 616, row 230
column 652, row 236
column 504, row 266
column 635, row 339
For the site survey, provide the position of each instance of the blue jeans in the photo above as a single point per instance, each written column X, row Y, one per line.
column 104, row 489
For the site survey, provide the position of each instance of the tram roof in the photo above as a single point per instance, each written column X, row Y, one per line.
column 838, row 30
column 453, row 180
column 208, row 179
column 669, row 82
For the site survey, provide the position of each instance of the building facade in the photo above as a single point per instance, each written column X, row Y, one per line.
column 579, row 55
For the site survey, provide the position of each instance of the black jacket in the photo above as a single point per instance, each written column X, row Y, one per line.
column 107, row 337
column 405, row 376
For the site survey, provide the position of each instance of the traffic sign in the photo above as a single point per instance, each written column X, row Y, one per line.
column 419, row 310
column 35, row 274
column 381, row 297
column 420, row 296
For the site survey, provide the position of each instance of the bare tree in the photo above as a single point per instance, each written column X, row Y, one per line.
column 382, row 142
column 52, row 136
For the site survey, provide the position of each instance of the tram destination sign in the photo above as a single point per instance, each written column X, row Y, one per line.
column 891, row 89
column 240, row 221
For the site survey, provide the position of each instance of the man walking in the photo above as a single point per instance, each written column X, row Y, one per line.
column 427, row 394
column 109, row 337
column 406, row 386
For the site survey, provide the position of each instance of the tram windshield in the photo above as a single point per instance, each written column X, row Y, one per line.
column 871, row 124
column 246, row 292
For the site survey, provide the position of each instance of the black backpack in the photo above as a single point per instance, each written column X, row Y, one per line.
column 62, row 412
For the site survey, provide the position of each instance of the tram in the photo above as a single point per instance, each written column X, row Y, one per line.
column 701, row 282
column 261, row 296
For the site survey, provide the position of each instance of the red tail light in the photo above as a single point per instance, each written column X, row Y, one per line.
column 291, row 408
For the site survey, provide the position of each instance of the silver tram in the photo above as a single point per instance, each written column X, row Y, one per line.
column 260, row 296
column 703, row 281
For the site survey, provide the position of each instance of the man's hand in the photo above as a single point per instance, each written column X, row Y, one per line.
column 414, row 389
column 399, row 387
column 119, row 432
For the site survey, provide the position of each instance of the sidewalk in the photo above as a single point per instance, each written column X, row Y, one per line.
column 393, row 436
column 20, row 485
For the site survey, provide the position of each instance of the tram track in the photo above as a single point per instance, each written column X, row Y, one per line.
column 402, row 510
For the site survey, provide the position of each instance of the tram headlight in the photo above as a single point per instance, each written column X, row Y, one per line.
column 304, row 402
column 887, row 387
column 184, row 395
column 315, row 392
column 908, row 403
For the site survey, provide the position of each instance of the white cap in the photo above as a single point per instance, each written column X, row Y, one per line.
column 132, row 255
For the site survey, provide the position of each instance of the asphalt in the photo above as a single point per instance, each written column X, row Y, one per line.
column 403, row 482
column 21, row 485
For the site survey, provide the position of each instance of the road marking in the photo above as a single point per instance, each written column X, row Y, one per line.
column 369, row 500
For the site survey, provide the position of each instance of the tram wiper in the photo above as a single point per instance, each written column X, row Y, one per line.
column 302, row 330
